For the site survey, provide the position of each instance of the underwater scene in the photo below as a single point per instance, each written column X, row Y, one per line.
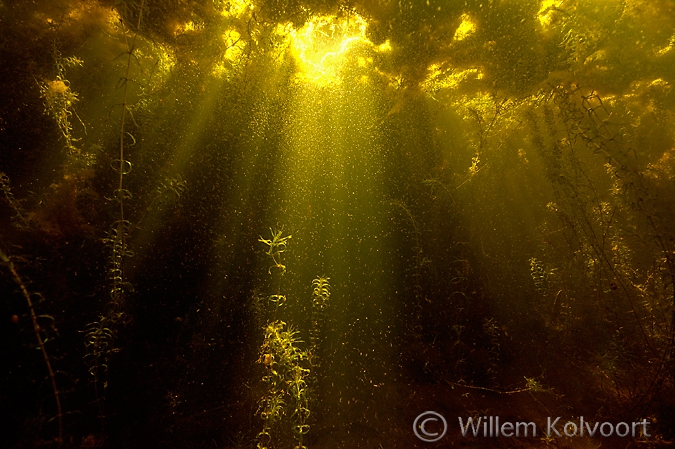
column 337, row 224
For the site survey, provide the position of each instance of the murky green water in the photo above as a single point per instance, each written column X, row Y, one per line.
column 304, row 224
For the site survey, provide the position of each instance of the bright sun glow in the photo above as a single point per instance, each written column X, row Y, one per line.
column 546, row 10
column 232, row 56
column 322, row 44
column 465, row 29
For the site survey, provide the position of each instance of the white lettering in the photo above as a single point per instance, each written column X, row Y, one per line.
column 611, row 429
column 525, row 424
column 551, row 426
column 622, row 434
column 507, row 429
column 645, row 423
column 591, row 433
column 570, row 424
column 469, row 423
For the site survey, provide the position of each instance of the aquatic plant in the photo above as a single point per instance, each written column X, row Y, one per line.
column 600, row 162
column 38, row 330
column 540, row 275
column 20, row 218
column 275, row 246
column 98, row 341
column 129, row 8
column 101, row 334
column 59, row 100
column 494, row 334
column 170, row 188
column 598, row 227
column 285, row 378
column 285, row 402
column 320, row 297
column 176, row 185
column 321, row 292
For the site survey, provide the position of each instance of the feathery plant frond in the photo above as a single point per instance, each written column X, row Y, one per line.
column 275, row 246
column 540, row 275
column 321, row 292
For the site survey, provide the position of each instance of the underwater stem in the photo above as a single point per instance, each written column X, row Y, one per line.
column 36, row 328
column 122, row 168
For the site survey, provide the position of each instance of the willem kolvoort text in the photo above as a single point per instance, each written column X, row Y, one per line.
column 490, row 426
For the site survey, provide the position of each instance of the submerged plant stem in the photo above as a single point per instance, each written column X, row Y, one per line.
column 36, row 328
